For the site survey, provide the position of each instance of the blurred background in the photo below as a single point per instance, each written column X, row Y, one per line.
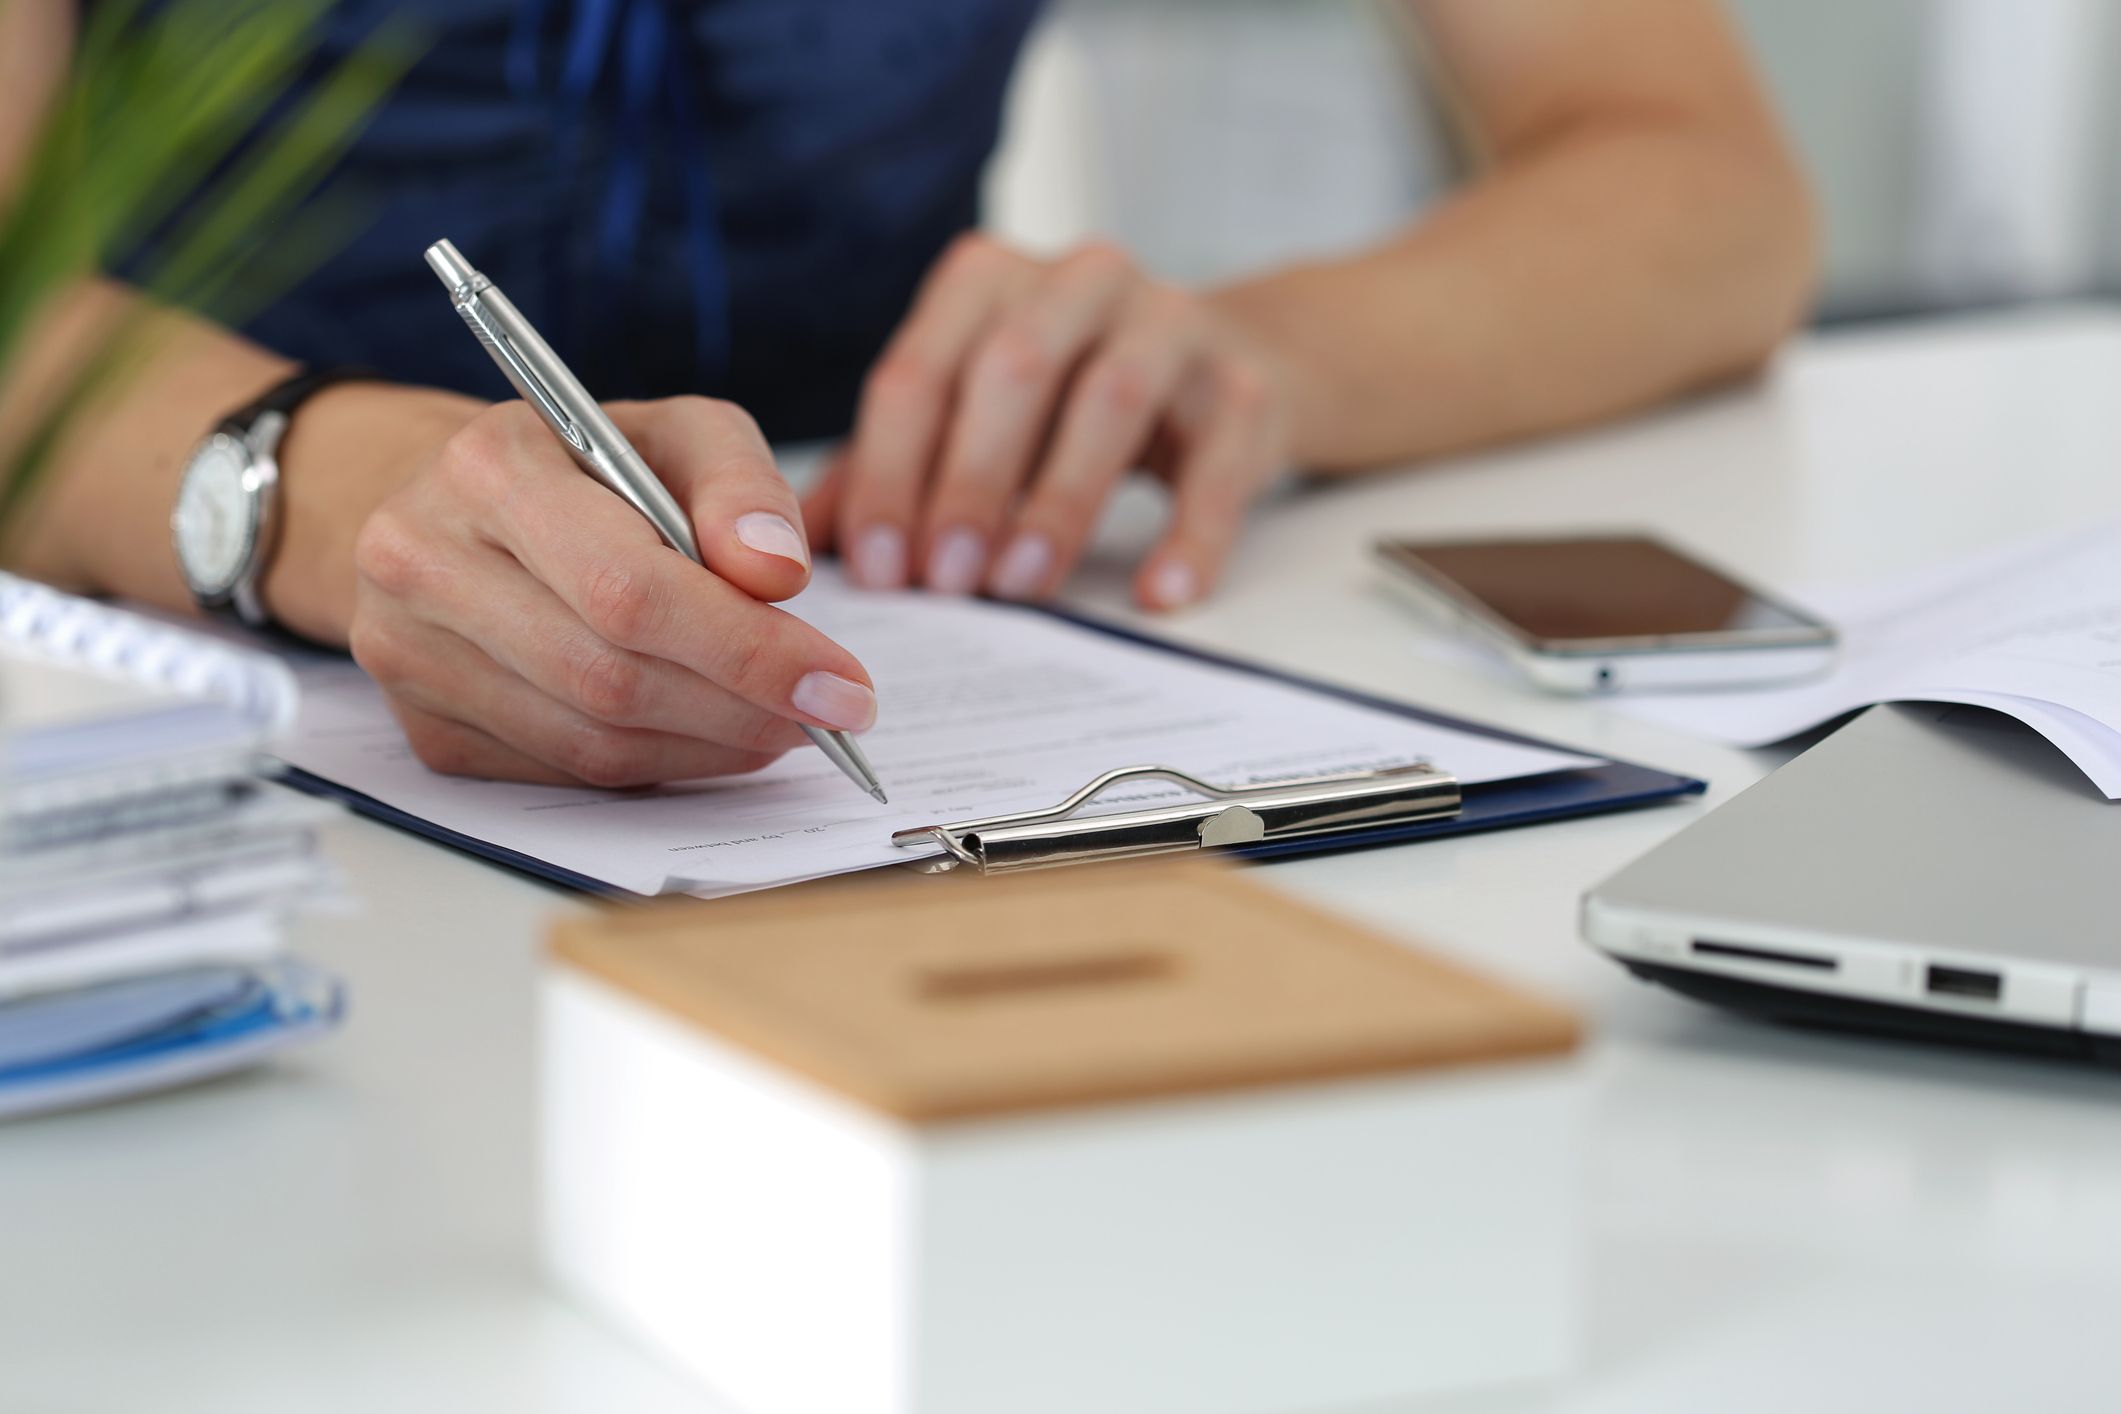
column 1954, row 145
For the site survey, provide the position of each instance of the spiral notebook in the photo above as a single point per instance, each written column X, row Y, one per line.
column 145, row 869
column 95, row 700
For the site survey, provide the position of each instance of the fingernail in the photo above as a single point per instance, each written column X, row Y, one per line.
column 880, row 558
column 1173, row 584
column 770, row 534
column 1024, row 567
column 955, row 562
column 835, row 701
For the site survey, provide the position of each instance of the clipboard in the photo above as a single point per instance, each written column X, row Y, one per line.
column 1530, row 800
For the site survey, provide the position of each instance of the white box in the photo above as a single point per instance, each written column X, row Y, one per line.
column 1232, row 1248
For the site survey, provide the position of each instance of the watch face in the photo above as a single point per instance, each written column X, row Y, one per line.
column 216, row 519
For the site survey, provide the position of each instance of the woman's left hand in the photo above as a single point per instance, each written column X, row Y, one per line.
column 1013, row 400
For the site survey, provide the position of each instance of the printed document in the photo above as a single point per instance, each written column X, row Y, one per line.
column 982, row 709
column 2031, row 630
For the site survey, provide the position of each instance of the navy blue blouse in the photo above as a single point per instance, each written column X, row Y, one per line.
column 734, row 197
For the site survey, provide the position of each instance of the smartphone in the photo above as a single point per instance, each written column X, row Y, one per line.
column 1609, row 613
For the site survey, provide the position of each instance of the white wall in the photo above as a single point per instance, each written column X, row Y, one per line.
column 1963, row 149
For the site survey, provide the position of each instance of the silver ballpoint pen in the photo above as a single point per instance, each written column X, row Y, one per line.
column 591, row 439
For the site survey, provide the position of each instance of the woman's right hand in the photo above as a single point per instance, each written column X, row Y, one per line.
column 527, row 624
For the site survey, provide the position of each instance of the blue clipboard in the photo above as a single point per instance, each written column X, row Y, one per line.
column 1496, row 805
column 1531, row 800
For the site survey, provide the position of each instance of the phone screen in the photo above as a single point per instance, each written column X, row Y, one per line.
column 1619, row 587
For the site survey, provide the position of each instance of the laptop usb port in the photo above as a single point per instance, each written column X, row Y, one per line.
column 1964, row 982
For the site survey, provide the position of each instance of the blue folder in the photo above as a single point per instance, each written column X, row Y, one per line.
column 144, row 1034
column 1531, row 800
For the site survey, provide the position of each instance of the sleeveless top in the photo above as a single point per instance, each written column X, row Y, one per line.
column 734, row 197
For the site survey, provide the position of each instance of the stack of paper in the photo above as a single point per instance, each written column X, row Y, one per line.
column 2032, row 630
column 145, row 870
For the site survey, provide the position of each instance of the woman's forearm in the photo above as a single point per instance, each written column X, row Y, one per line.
column 100, row 519
column 1620, row 263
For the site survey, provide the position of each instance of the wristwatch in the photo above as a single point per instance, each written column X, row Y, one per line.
column 225, row 523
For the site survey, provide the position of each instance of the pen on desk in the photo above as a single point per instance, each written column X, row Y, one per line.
column 591, row 439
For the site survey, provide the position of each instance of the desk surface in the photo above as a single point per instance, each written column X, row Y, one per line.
column 1777, row 1220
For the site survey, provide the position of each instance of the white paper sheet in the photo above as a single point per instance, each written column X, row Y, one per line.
column 982, row 709
column 2033, row 630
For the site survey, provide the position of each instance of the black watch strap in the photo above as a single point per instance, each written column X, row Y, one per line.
column 291, row 392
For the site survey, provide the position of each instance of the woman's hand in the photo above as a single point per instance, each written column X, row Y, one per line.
column 1013, row 400
column 528, row 624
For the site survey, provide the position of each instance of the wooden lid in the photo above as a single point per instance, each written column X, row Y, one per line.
column 933, row 998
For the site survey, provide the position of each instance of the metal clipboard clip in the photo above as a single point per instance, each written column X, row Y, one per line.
column 1283, row 810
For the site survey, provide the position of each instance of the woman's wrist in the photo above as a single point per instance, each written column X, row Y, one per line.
column 347, row 449
column 1269, row 311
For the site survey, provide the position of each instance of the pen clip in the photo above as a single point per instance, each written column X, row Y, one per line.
column 522, row 374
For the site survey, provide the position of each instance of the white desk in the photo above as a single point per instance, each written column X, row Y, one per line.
column 1777, row 1220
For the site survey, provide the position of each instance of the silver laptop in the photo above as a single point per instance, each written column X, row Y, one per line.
column 1928, row 871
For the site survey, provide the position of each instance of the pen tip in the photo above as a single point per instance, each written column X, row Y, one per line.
column 881, row 798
